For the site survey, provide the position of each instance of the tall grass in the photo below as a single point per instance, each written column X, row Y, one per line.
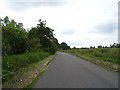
column 11, row 64
column 106, row 54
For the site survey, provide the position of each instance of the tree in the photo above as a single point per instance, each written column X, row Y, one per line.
column 17, row 40
column 74, row 47
column 118, row 45
column 13, row 38
column 64, row 46
column 20, row 25
column 91, row 47
column 45, row 35
column 115, row 45
column 100, row 46
column 6, row 20
column 42, row 24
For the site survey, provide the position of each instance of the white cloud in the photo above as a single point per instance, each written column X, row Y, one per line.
column 80, row 16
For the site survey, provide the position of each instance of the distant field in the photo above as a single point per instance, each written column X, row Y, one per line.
column 101, row 54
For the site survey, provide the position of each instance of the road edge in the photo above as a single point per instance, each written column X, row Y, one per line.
column 33, row 81
column 104, row 64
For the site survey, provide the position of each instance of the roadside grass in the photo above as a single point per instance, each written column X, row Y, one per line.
column 106, row 57
column 48, row 60
column 26, row 77
column 12, row 64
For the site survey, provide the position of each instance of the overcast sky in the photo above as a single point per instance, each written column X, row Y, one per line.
column 79, row 23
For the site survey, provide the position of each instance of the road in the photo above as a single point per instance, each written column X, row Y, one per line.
column 68, row 71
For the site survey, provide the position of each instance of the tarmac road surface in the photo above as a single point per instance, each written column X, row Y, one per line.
column 68, row 71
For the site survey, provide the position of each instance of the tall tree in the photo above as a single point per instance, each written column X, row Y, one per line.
column 45, row 35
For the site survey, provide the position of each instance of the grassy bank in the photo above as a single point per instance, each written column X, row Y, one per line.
column 26, row 77
column 14, row 63
column 106, row 57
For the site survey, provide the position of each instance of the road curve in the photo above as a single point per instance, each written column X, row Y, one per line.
column 68, row 71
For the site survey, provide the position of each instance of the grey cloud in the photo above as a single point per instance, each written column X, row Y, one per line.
column 105, row 28
column 21, row 6
column 68, row 32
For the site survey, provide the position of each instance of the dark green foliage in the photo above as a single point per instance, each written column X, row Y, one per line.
column 33, row 44
column 45, row 35
column 100, row 46
column 6, row 48
column 52, row 48
column 13, row 38
column 16, row 40
column 64, row 46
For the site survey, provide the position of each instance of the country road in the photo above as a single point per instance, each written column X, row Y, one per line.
column 68, row 71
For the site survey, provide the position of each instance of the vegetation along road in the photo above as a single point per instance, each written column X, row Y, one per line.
column 68, row 71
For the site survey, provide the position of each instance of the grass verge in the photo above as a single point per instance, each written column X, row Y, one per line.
column 26, row 74
column 14, row 63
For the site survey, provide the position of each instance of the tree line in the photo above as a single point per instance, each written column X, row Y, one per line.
column 114, row 45
column 17, row 40
column 64, row 46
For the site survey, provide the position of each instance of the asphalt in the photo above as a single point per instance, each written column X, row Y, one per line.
column 68, row 71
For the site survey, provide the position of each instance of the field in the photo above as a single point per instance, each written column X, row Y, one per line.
column 14, row 63
column 107, row 57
